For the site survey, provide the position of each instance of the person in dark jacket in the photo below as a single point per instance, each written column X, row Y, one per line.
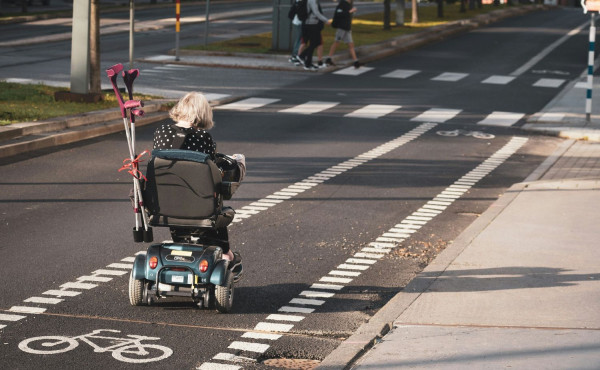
column 342, row 21
column 311, row 32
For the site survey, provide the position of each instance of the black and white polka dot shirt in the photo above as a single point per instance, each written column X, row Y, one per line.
column 196, row 139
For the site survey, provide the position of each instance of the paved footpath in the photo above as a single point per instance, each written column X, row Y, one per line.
column 520, row 288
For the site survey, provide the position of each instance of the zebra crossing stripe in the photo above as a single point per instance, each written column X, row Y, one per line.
column 498, row 80
column 450, row 77
column 438, row 115
column 351, row 71
column 310, row 107
column 248, row 104
column 373, row 111
column 217, row 366
column 401, row 73
column 549, row 82
column 501, row 119
column 249, row 346
column 43, row 300
column 10, row 317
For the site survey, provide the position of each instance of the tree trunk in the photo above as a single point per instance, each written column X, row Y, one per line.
column 386, row 15
column 415, row 12
column 95, row 85
column 440, row 8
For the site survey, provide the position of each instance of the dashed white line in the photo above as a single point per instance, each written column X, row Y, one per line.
column 9, row 317
column 249, row 346
column 373, row 111
column 120, row 266
column 78, row 286
column 26, row 309
column 43, row 300
column 273, row 327
column 439, row 115
column 401, row 73
column 253, row 335
column 310, row 107
column 278, row 317
column 248, row 104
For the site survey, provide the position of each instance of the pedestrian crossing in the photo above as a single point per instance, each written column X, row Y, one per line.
column 369, row 111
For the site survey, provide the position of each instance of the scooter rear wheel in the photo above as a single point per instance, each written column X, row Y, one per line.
column 224, row 295
column 136, row 291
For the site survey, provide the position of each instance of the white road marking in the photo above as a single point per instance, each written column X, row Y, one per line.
column 310, row 107
column 401, row 73
column 278, row 317
column 501, row 119
column 62, row 293
column 2, row 326
column 250, row 347
column 346, row 266
column 253, row 335
column 273, row 327
column 292, row 309
column 120, row 266
column 315, row 294
column 43, row 300
column 344, row 273
column 360, row 260
column 552, row 117
column 439, row 115
column 498, row 80
column 9, row 317
column 26, row 309
column 78, row 286
column 373, row 111
column 128, row 259
column 109, row 272
column 549, row 82
column 248, row 104
column 217, row 366
column 329, row 279
column 450, row 77
column 233, row 358
column 101, row 279
column 326, row 286
column 351, row 71
column 309, row 302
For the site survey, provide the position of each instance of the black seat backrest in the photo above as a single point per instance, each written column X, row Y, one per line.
column 182, row 185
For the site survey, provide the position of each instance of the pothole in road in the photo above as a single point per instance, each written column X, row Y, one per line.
column 292, row 363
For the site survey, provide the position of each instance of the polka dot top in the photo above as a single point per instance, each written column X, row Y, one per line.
column 196, row 139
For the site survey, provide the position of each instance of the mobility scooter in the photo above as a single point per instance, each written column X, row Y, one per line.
column 184, row 191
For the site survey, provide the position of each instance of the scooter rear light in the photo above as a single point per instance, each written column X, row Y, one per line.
column 203, row 265
column 153, row 262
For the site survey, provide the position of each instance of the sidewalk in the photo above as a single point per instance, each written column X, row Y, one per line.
column 519, row 288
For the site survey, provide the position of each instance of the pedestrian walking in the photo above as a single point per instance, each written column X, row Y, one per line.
column 294, row 15
column 342, row 22
column 311, row 32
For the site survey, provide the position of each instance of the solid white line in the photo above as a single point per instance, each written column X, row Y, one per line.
column 533, row 61
column 43, row 300
column 253, row 335
column 25, row 309
column 291, row 309
column 310, row 107
column 268, row 326
column 278, row 317
column 310, row 302
column 250, row 347
column 9, row 317
column 120, row 266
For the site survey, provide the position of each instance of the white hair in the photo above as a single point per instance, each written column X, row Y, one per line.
column 194, row 109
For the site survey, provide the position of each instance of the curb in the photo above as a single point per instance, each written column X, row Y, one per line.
column 368, row 334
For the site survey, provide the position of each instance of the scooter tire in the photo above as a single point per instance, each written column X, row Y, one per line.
column 136, row 291
column 224, row 295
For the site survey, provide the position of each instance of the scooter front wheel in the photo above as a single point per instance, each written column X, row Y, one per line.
column 136, row 291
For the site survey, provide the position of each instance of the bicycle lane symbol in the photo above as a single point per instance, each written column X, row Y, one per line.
column 127, row 349
column 475, row 134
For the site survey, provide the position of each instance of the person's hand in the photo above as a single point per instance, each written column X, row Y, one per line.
column 353, row 10
column 329, row 21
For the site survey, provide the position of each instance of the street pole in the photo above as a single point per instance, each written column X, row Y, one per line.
column 80, row 47
column 206, row 24
column 131, row 28
column 590, row 76
column 177, row 27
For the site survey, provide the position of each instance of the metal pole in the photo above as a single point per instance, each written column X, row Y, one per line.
column 206, row 22
column 177, row 27
column 131, row 28
column 80, row 47
column 590, row 76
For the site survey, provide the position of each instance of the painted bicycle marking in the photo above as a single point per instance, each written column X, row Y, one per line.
column 127, row 349
column 475, row 134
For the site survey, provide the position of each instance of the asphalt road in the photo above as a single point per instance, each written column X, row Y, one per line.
column 65, row 220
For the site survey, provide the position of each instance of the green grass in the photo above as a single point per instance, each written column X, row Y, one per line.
column 23, row 103
column 366, row 29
